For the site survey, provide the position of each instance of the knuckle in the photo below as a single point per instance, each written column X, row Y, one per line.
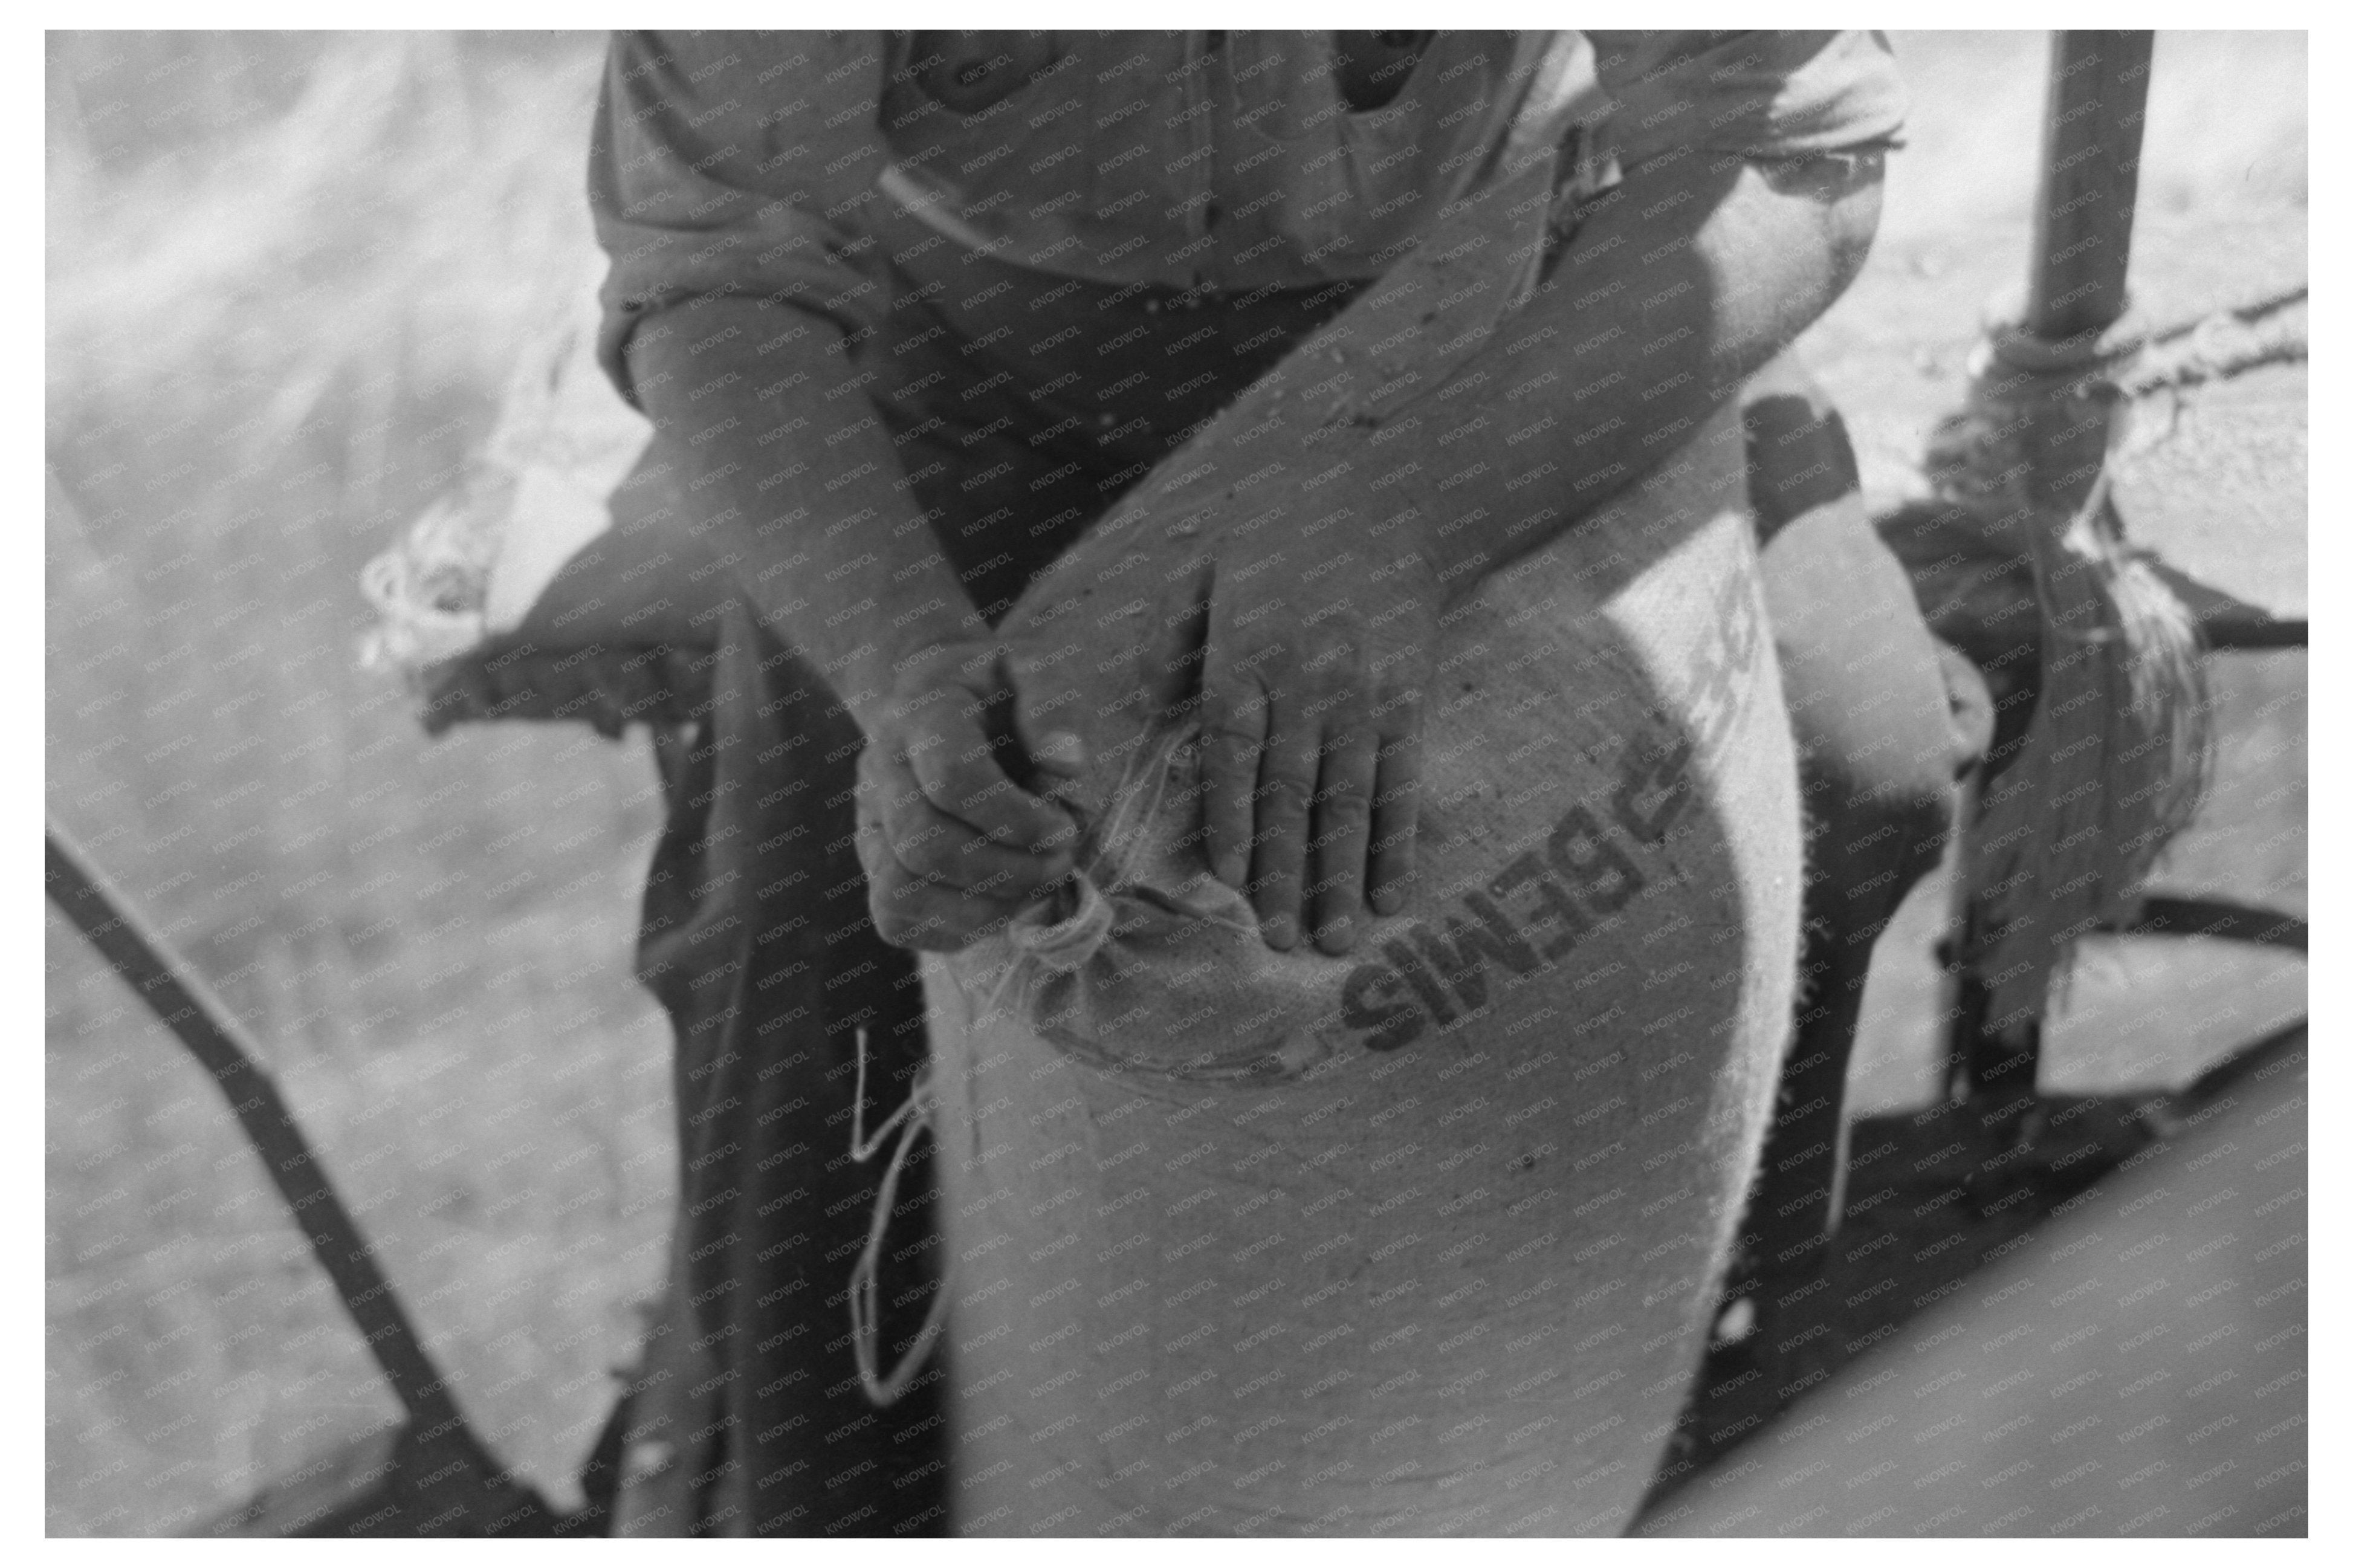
column 1273, row 882
column 1344, row 809
column 1336, row 844
column 1232, row 700
column 1334, row 891
column 1230, row 735
column 1287, row 792
column 1399, row 711
column 1339, row 705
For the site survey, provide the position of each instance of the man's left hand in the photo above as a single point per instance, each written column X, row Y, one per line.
column 1312, row 658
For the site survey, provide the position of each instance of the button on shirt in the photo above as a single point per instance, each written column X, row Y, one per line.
column 743, row 163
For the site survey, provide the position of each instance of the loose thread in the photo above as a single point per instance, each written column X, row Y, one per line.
column 911, row 1120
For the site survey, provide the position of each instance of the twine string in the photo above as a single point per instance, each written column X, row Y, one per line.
column 911, row 1121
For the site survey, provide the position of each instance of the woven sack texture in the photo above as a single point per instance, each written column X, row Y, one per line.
column 1422, row 1238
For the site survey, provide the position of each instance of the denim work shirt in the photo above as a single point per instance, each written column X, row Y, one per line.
column 740, row 163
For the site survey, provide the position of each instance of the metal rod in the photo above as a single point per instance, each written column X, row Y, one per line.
column 2163, row 916
column 177, row 999
column 2088, row 186
column 2091, row 179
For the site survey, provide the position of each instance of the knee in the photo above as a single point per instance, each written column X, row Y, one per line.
column 1886, row 717
column 1798, row 453
column 1881, row 802
column 1881, row 798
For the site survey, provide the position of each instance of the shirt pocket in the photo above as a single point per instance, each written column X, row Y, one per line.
column 966, row 73
column 1359, row 180
column 997, row 123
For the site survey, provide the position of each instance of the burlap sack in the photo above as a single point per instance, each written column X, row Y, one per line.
column 1421, row 1239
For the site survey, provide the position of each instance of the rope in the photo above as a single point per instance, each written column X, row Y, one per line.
column 1065, row 945
column 911, row 1120
column 2220, row 346
column 2117, row 753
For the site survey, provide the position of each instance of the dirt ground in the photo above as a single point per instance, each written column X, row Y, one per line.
column 286, row 274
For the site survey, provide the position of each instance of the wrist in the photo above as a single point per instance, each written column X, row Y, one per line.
column 874, row 675
column 1450, row 554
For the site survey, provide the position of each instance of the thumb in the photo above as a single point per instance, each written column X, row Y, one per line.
column 1058, row 753
column 1067, row 688
column 1048, row 715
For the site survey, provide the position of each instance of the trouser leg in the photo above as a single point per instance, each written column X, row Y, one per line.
column 1886, row 721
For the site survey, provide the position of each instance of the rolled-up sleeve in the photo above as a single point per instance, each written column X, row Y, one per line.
column 714, row 163
column 1765, row 94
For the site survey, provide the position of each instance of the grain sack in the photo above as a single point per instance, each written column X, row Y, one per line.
column 1421, row 1239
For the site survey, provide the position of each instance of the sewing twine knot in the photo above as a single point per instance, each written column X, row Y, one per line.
column 1064, row 945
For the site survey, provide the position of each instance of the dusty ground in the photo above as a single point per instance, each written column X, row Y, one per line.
column 285, row 277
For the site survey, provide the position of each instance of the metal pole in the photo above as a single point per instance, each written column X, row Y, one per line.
column 2044, row 370
column 2091, row 179
column 335, row 1239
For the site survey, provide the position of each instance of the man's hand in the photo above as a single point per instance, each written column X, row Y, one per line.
column 953, row 845
column 1308, row 655
column 1305, row 664
column 1311, row 730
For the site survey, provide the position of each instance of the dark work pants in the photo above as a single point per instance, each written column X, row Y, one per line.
column 755, row 935
column 1887, row 721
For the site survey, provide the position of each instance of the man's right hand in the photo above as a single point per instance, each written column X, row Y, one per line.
column 953, row 845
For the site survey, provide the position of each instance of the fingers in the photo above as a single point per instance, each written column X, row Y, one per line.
column 951, row 843
column 1059, row 756
column 1340, row 834
column 932, row 884
column 912, row 911
column 1045, row 718
column 1309, row 800
column 949, row 753
column 1287, row 787
column 1396, row 810
column 1233, row 734
column 943, row 848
